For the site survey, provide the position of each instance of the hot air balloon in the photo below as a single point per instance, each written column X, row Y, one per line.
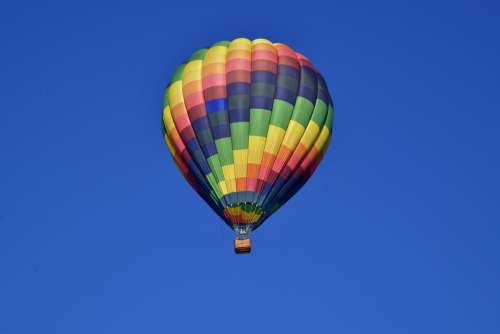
column 247, row 123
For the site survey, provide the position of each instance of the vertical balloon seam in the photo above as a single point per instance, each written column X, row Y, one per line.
column 262, row 92
column 195, row 106
column 215, row 99
column 248, row 70
column 264, row 68
column 198, row 147
column 260, row 107
column 307, row 166
column 193, row 176
column 238, row 81
column 274, row 110
column 180, row 164
column 234, row 198
column 287, row 87
column 183, row 152
column 229, row 208
column 300, row 174
column 315, row 154
column 267, row 125
column 174, row 150
column 216, row 157
column 287, row 186
column 309, row 135
column 300, row 118
column 230, row 211
column 248, row 211
column 183, row 125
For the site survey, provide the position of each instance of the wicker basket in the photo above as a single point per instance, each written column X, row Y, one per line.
column 242, row 246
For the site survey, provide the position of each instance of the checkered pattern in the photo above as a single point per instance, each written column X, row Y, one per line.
column 247, row 123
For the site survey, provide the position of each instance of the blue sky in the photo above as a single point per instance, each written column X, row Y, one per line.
column 397, row 232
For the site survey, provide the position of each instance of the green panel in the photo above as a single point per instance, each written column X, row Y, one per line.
column 214, row 185
column 329, row 118
column 259, row 121
column 213, row 162
column 198, row 55
column 225, row 150
column 239, row 135
column 178, row 74
column 282, row 111
column 302, row 111
column 319, row 113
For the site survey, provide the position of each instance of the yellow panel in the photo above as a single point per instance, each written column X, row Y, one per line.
column 216, row 54
column 240, row 43
column 240, row 156
column 240, row 162
column 228, row 171
column 256, row 146
column 175, row 93
column 167, row 119
column 323, row 138
column 293, row 135
column 274, row 138
column 240, row 170
column 310, row 135
column 193, row 74
column 231, row 186
column 222, row 186
column 261, row 40
column 193, row 65
column 229, row 176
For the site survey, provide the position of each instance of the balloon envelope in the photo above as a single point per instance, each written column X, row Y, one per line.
column 247, row 123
